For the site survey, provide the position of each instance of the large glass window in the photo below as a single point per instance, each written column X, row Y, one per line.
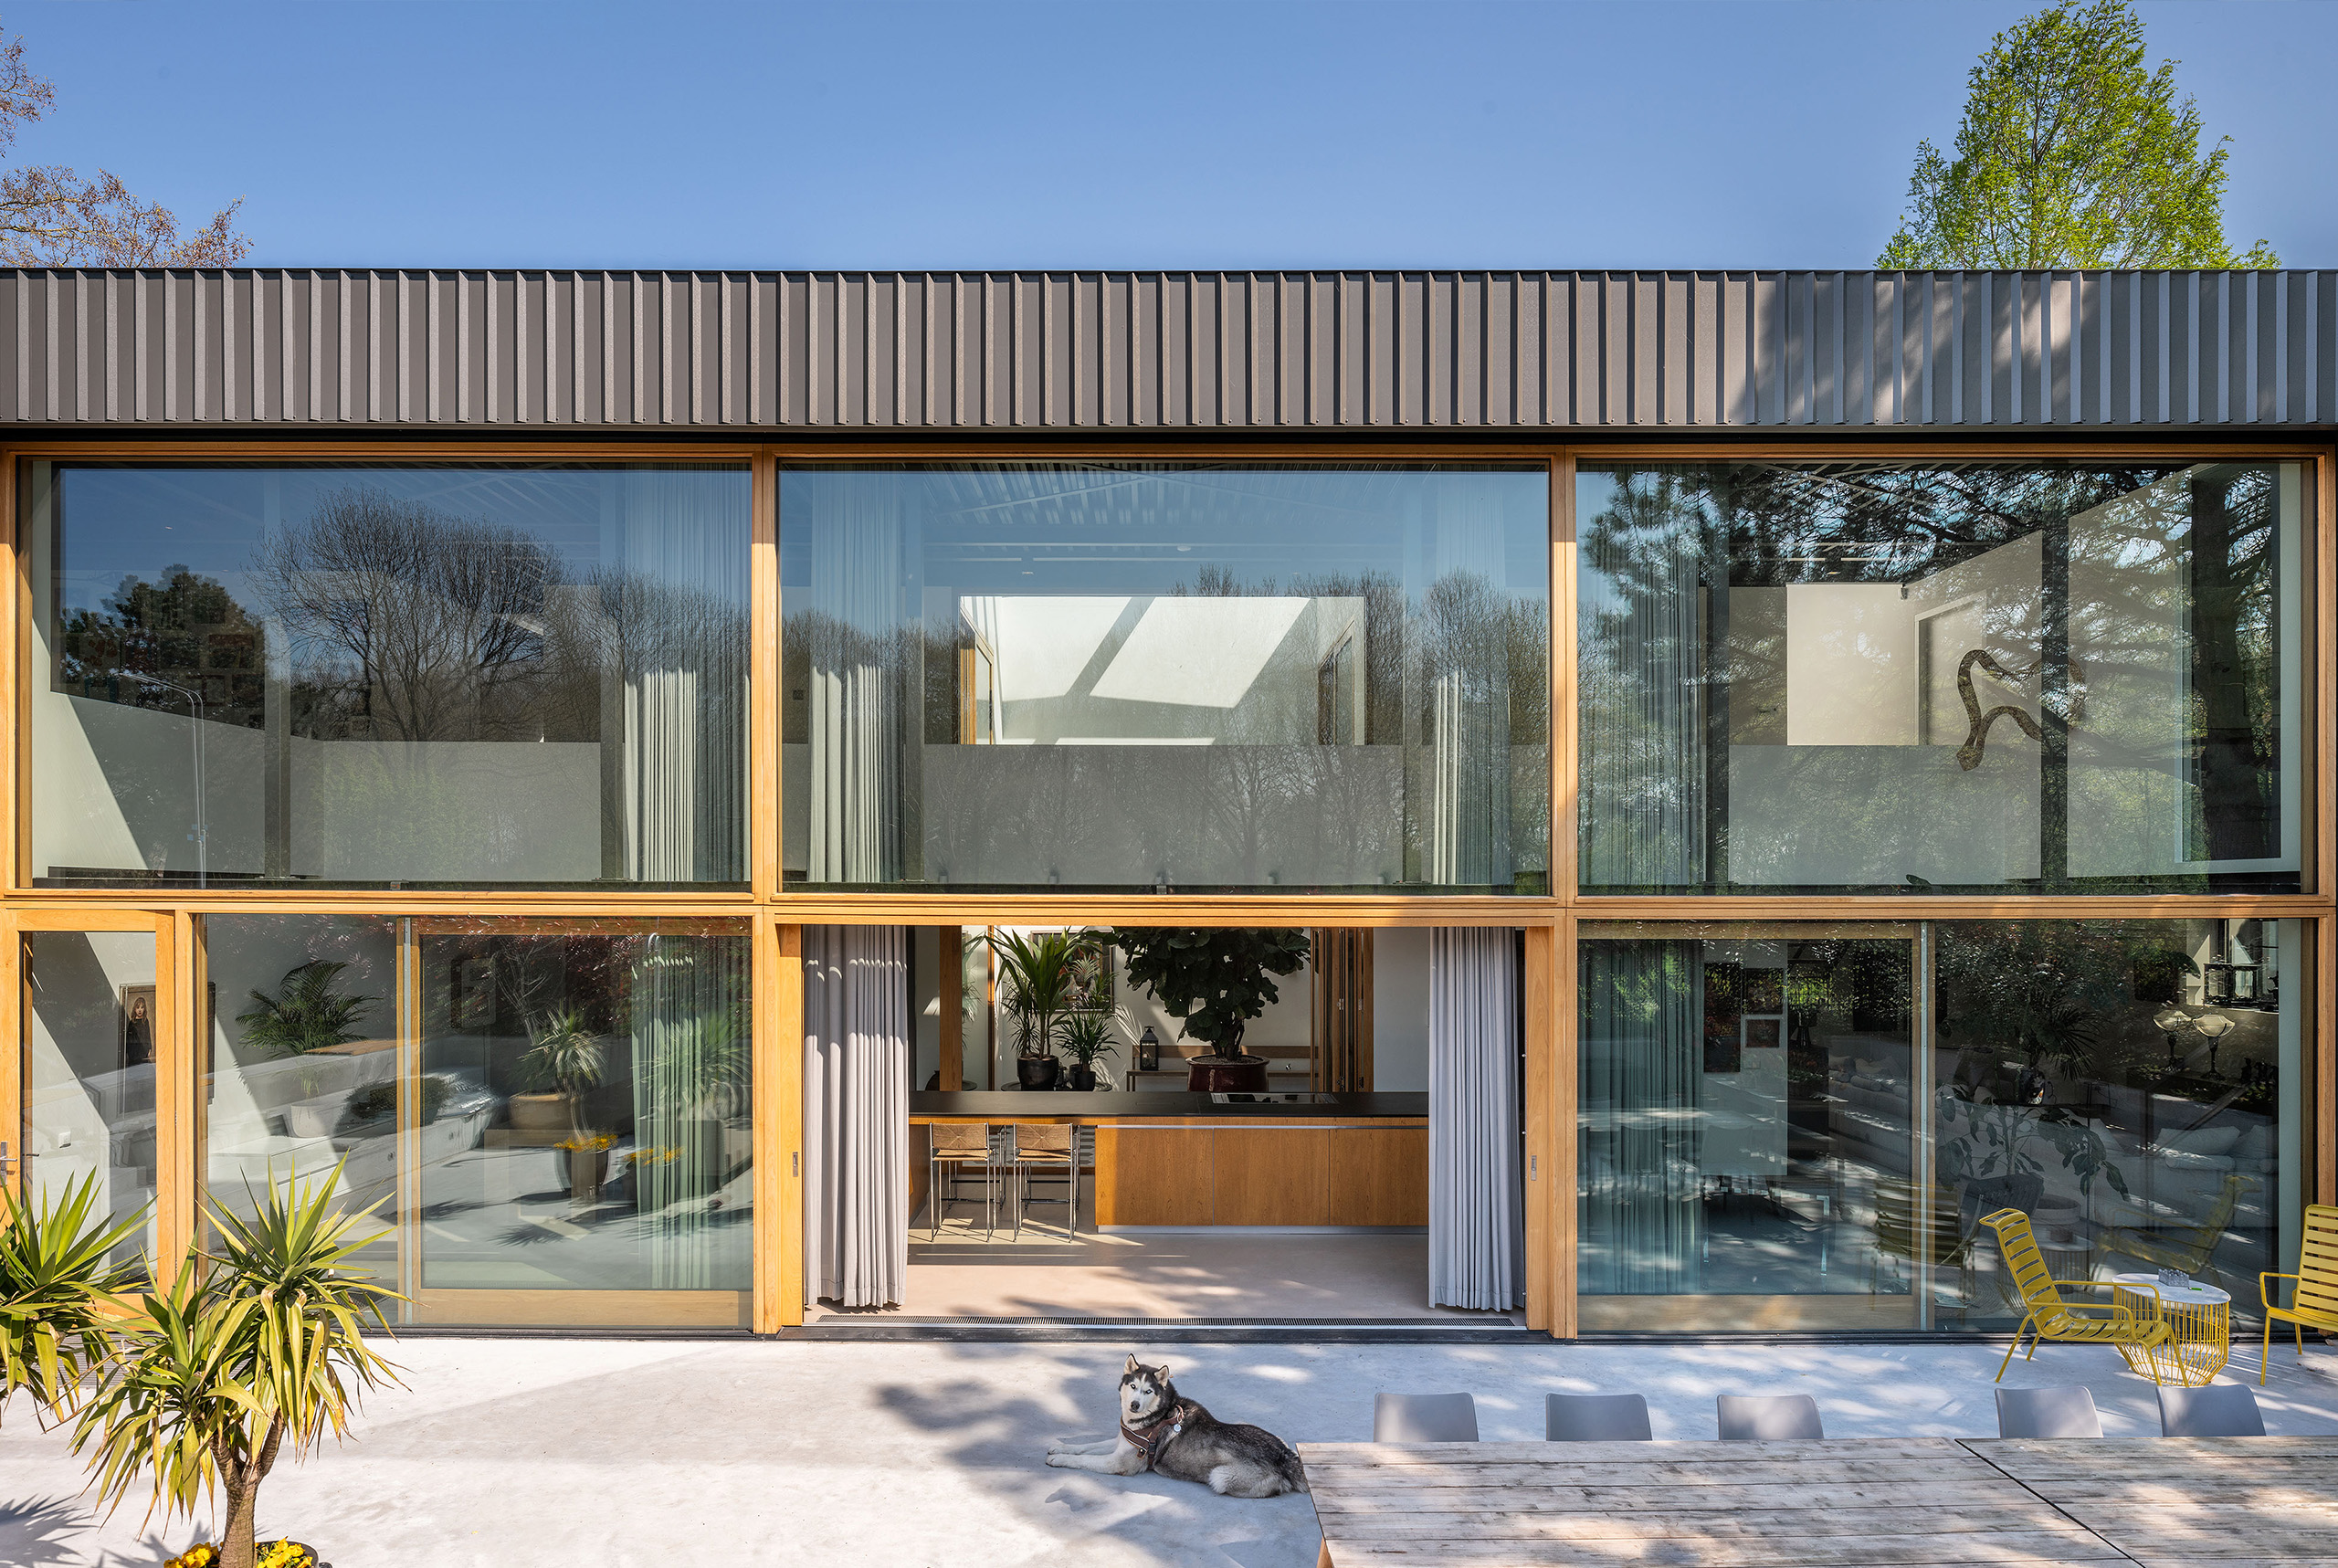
column 303, row 1067
column 1871, row 676
column 387, row 674
column 555, row 1122
column 1142, row 675
column 1781, row 1126
column 611, row 1148
column 92, row 1024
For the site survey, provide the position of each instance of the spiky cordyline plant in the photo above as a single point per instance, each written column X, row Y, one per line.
column 58, row 1278
column 255, row 1348
column 564, row 1056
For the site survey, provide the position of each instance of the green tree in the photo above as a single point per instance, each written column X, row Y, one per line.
column 2071, row 154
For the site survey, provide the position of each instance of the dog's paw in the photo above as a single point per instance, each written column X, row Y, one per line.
column 1055, row 1458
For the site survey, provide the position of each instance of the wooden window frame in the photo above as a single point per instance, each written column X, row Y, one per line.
column 1548, row 921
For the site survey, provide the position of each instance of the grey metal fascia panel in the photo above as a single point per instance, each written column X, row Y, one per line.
column 1518, row 351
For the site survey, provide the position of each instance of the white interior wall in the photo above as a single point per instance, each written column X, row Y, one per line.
column 1850, row 665
column 1853, row 796
column 1400, row 1009
column 925, row 1003
column 1742, row 1119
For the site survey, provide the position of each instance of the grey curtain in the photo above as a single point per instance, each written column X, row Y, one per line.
column 1642, row 675
column 692, row 1181
column 1477, row 1235
column 1640, row 1221
column 674, row 607
column 1466, row 628
column 857, row 1055
column 857, row 624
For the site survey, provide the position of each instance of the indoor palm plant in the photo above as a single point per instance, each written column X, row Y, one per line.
column 1041, row 973
column 256, row 1351
column 308, row 1013
column 58, row 1277
column 1087, row 1037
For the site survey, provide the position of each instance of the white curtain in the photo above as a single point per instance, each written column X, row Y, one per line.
column 856, row 1115
column 1477, row 1234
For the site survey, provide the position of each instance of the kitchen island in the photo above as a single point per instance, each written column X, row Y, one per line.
column 1186, row 1159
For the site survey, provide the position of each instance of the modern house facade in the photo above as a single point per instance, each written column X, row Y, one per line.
column 1766, row 767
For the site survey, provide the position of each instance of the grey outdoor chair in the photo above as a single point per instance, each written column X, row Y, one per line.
column 1596, row 1418
column 2048, row 1412
column 1767, row 1418
column 1423, row 1418
column 2219, row 1410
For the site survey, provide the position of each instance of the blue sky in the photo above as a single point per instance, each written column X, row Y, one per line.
column 1100, row 134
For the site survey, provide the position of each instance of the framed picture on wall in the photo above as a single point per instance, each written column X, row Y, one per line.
column 1091, row 980
column 1762, row 1031
column 137, row 1024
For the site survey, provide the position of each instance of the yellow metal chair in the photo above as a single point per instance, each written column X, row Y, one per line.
column 1898, row 1238
column 2051, row 1317
column 2186, row 1249
column 2314, row 1302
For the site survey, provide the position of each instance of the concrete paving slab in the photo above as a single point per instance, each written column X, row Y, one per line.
column 512, row 1453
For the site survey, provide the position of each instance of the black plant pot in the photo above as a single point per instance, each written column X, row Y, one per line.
column 1037, row 1072
column 1082, row 1079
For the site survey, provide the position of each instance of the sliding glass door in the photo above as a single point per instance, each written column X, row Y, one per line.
column 1750, row 1128
column 1803, row 1126
column 550, row 1118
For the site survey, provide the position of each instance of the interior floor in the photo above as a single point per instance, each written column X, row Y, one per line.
column 971, row 1271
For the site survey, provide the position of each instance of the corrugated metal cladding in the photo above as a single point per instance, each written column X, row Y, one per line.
column 1187, row 351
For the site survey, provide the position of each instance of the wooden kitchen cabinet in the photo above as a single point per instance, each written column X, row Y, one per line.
column 1274, row 1175
column 1155, row 1174
column 1342, row 1174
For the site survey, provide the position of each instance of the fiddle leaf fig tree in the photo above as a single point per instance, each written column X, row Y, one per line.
column 1214, row 982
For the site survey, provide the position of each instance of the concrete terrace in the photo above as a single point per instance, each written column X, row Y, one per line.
column 519, row 1452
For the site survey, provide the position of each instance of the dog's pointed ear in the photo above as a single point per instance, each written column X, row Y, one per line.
column 1132, row 1366
column 1160, row 1372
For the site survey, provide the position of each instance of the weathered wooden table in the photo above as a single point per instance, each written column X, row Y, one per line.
column 1916, row 1502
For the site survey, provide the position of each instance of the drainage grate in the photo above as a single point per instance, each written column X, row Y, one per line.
column 1410, row 1325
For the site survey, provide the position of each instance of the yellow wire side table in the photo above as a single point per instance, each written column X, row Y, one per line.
column 2199, row 1326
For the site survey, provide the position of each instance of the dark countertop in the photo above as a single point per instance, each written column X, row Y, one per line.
column 1007, row 1104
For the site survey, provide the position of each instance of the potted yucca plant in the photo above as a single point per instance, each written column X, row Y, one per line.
column 255, row 1351
column 564, row 1060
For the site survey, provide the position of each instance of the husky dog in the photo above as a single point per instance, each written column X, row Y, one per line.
column 1161, row 1431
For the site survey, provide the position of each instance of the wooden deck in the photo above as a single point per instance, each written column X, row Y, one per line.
column 1914, row 1502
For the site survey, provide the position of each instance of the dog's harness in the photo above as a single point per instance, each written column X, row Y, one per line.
column 1150, row 1441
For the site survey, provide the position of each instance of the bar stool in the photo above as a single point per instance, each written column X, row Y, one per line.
column 1038, row 1149
column 952, row 1147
